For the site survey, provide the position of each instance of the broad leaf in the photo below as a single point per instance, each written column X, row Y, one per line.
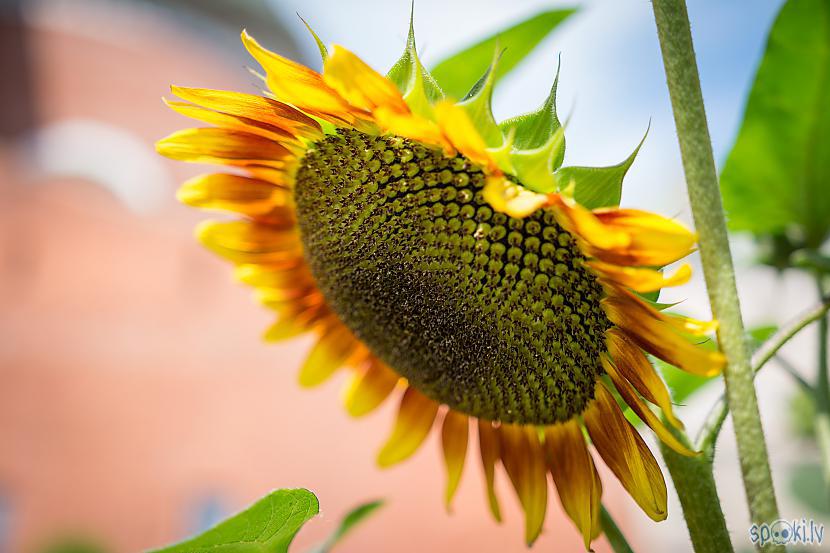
column 777, row 176
column 807, row 485
column 268, row 526
column 458, row 73
column 681, row 384
column 352, row 519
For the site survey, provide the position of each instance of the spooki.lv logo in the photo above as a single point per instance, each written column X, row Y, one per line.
column 783, row 532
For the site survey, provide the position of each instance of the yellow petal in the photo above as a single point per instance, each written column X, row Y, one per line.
column 359, row 84
column 488, row 443
column 245, row 195
column 575, row 476
column 414, row 421
column 524, row 460
column 249, row 242
column 293, row 322
column 300, row 86
column 654, row 239
column 508, row 197
column 368, row 389
column 632, row 364
column 660, row 338
column 413, row 127
column 454, row 436
column 275, row 277
column 646, row 415
column 640, row 279
column 222, row 146
column 626, row 454
column 462, row 134
column 331, row 352
column 252, row 107
column 234, row 122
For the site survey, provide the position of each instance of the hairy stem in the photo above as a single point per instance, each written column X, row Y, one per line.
column 717, row 414
column 695, row 485
column 704, row 195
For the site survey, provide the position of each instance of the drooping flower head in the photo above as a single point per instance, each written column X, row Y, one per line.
column 448, row 260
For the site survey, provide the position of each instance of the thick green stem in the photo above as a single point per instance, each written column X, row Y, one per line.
column 695, row 485
column 717, row 414
column 704, row 195
column 613, row 533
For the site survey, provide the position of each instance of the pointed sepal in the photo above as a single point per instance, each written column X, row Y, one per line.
column 534, row 129
column 419, row 89
column 478, row 105
column 594, row 187
column 324, row 53
column 535, row 167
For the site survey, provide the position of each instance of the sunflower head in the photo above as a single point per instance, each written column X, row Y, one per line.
column 451, row 259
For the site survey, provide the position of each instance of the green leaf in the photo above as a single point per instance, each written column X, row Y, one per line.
column 352, row 519
column 682, row 384
column 761, row 334
column 268, row 526
column 777, row 176
column 598, row 186
column 458, row 73
column 807, row 485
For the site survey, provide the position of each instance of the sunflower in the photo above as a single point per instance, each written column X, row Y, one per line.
column 442, row 257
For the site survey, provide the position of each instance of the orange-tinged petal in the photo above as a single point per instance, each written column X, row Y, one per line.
column 331, row 352
column 280, row 299
column 462, row 134
column 413, row 127
column 524, row 460
column 359, row 84
column 245, row 195
column 660, row 338
column 686, row 325
column 641, row 279
column 222, row 146
column 234, row 122
column 454, row 436
column 300, row 86
column 583, row 223
column 249, row 242
column 489, row 445
column 367, row 390
column 631, row 398
column 632, row 363
column 252, row 107
column 575, row 476
column 508, row 197
column 626, row 454
column 415, row 417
